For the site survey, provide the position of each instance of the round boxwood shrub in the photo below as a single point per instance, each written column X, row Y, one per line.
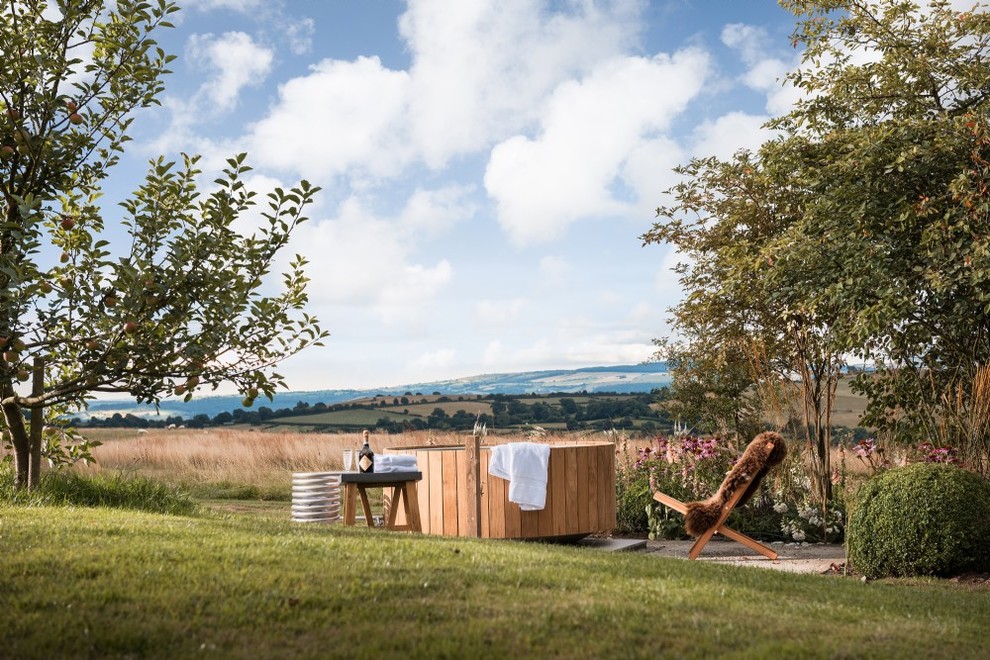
column 922, row 519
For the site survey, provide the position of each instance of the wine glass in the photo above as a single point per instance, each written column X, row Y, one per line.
column 348, row 459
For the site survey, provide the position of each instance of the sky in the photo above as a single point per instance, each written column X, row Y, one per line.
column 488, row 166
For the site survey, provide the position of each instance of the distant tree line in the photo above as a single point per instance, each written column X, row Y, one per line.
column 580, row 411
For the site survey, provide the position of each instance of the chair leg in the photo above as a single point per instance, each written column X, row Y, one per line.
column 719, row 527
column 700, row 542
column 750, row 543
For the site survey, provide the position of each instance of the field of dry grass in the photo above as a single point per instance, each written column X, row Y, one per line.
column 234, row 458
column 238, row 458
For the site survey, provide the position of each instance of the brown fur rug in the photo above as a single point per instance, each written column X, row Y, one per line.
column 758, row 458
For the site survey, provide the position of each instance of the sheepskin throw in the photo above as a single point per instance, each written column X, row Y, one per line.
column 765, row 451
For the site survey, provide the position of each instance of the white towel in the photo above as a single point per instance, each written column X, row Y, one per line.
column 386, row 463
column 524, row 464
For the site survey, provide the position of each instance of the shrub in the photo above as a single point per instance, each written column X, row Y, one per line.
column 922, row 519
column 633, row 499
column 115, row 490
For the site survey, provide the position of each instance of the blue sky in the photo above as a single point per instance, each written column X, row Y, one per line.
column 487, row 165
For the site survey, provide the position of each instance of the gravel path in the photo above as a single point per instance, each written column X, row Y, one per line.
column 818, row 558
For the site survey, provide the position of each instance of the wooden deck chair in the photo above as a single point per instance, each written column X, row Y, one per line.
column 706, row 518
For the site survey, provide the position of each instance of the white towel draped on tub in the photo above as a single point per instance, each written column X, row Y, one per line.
column 385, row 463
column 524, row 464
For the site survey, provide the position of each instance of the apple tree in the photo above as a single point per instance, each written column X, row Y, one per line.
column 167, row 294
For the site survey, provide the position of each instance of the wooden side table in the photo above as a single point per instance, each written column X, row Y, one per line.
column 403, row 485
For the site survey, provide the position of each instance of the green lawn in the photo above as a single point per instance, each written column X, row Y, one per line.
column 86, row 582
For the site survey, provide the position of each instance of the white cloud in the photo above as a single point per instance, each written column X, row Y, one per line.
column 481, row 67
column 233, row 62
column 749, row 41
column 434, row 359
column 649, row 170
column 360, row 258
column 498, row 313
column 240, row 6
column 554, row 268
column 342, row 116
column 730, row 133
column 765, row 72
column 643, row 312
column 434, row 211
column 405, row 297
column 480, row 71
column 299, row 33
column 574, row 343
column 589, row 130
column 236, row 61
column 667, row 280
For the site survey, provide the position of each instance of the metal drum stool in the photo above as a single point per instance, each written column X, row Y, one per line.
column 316, row 497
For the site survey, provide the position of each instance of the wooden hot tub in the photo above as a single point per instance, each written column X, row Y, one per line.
column 580, row 493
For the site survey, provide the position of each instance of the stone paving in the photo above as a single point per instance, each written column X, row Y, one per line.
column 817, row 558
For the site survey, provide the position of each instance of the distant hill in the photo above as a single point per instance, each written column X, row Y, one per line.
column 620, row 379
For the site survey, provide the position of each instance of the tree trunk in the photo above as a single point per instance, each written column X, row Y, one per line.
column 19, row 438
column 37, row 424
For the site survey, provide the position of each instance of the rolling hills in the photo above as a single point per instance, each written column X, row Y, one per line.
column 640, row 378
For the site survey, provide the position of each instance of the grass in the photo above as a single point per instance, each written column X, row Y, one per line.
column 237, row 463
column 89, row 582
column 235, row 578
column 220, row 463
column 104, row 490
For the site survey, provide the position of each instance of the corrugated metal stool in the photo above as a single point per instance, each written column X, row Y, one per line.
column 316, row 497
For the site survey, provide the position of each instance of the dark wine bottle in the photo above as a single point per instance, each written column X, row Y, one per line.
column 366, row 457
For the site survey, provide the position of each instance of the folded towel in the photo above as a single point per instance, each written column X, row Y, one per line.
column 396, row 459
column 395, row 468
column 524, row 465
column 386, row 463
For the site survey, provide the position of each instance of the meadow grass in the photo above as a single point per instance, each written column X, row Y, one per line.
column 239, row 462
column 234, row 463
column 95, row 582
column 108, row 489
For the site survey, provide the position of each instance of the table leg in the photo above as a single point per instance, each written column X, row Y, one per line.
column 411, row 502
column 350, row 503
column 393, row 508
column 370, row 519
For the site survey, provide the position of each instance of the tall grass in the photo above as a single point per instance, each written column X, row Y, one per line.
column 234, row 463
column 109, row 489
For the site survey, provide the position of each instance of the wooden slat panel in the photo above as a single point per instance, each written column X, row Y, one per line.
column 423, row 491
column 584, row 501
column 544, row 517
column 557, row 486
column 494, row 504
column 570, row 470
column 580, row 493
column 604, row 479
column 449, row 459
column 511, row 513
column 435, row 461
column 609, row 499
column 528, row 523
column 462, row 495
column 594, row 489
column 486, row 495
